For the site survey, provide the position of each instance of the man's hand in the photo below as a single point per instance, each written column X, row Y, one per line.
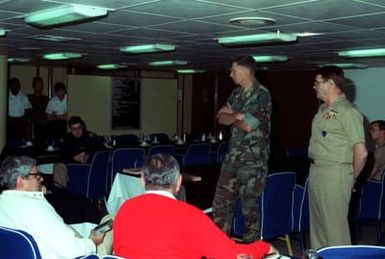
column 96, row 238
column 81, row 157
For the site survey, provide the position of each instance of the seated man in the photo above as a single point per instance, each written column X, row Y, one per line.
column 377, row 134
column 23, row 206
column 79, row 145
column 156, row 225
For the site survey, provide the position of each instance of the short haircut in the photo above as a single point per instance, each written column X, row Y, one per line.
column 161, row 171
column 76, row 120
column 246, row 61
column 13, row 80
column 381, row 124
column 334, row 73
column 13, row 167
column 59, row 86
column 36, row 79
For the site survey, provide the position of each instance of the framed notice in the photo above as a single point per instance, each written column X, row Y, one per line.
column 125, row 95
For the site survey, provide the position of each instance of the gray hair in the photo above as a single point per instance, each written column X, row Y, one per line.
column 13, row 167
column 161, row 171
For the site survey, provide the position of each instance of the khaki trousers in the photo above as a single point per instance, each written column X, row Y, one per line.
column 330, row 187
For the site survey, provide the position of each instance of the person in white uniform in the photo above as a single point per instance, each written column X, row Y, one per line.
column 18, row 103
column 57, row 112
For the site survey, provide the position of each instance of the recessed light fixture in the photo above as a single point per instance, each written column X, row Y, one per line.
column 54, row 38
column 62, row 56
column 252, row 21
column 19, row 60
column 345, row 65
column 190, row 71
column 362, row 53
column 270, row 58
column 137, row 49
column 64, row 14
column 167, row 63
column 111, row 66
column 263, row 38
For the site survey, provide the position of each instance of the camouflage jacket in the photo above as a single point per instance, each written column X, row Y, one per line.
column 254, row 146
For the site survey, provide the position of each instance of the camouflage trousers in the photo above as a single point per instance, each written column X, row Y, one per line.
column 244, row 182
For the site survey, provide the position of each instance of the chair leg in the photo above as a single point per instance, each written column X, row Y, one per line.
column 288, row 244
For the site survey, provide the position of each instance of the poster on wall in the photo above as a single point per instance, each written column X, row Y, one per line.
column 125, row 103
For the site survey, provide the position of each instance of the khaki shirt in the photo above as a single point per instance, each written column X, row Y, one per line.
column 335, row 129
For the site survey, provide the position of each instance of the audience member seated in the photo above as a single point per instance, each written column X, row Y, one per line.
column 79, row 145
column 156, row 225
column 23, row 206
column 57, row 112
column 37, row 114
column 18, row 103
column 377, row 134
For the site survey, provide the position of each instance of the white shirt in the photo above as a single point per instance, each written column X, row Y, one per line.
column 17, row 104
column 31, row 212
column 56, row 106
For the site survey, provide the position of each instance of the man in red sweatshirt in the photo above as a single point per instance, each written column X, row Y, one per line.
column 156, row 225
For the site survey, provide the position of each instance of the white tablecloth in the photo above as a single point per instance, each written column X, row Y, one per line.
column 124, row 187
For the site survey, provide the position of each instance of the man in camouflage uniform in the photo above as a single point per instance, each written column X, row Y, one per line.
column 244, row 169
column 337, row 154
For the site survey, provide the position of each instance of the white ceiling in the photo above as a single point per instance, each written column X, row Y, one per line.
column 193, row 26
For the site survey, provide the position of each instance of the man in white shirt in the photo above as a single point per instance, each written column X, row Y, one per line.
column 18, row 103
column 57, row 112
column 23, row 206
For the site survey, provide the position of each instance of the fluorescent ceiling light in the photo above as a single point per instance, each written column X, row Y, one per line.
column 362, row 53
column 252, row 21
column 111, row 66
column 190, row 71
column 53, row 38
column 267, row 58
column 167, row 63
column 148, row 48
column 309, row 34
column 64, row 14
column 345, row 65
column 258, row 39
column 21, row 60
column 3, row 32
column 62, row 56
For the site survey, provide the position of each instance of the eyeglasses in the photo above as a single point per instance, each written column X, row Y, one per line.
column 35, row 174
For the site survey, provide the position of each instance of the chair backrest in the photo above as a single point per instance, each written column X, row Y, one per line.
column 125, row 158
column 97, row 177
column 164, row 149
column 297, row 152
column 161, row 137
column 351, row 252
column 298, row 196
column 78, row 175
column 304, row 220
column 371, row 200
column 17, row 244
column 221, row 151
column 197, row 154
column 276, row 205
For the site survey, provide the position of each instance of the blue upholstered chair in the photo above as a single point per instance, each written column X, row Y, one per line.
column 90, row 180
column 276, row 207
column 197, row 154
column 163, row 149
column 161, row 137
column 17, row 244
column 351, row 252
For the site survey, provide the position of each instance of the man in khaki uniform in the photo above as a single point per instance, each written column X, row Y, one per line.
column 337, row 154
